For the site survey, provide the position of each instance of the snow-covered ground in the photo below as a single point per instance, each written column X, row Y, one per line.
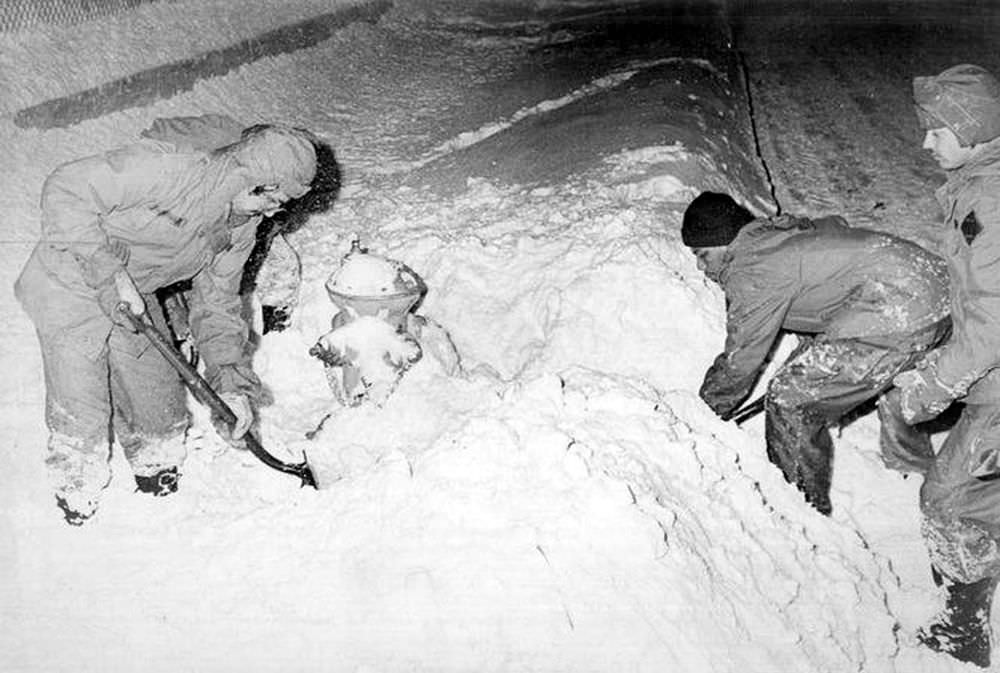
column 564, row 502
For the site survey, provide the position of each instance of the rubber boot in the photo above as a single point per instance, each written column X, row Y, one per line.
column 78, row 476
column 276, row 318
column 962, row 629
column 75, row 511
column 160, row 484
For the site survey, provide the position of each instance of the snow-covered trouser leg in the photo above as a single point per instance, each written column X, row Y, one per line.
column 799, row 443
column 73, row 334
column 84, row 356
column 150, row 403
column 962, row 530
column 962, row 511
column 78, row 415
column 817, row 386
column 962, row 628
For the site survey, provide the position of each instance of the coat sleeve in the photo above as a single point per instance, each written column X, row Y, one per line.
column 756, row 311
column 217, row 324
column 77, row 197
column 974, row 348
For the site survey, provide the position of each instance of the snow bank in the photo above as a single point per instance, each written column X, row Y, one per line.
column 684, row 121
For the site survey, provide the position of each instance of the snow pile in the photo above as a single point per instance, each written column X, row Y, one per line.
column 576, row 523
column 605, row 511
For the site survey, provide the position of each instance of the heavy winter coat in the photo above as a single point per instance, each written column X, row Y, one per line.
column 970, row 200
column 818, row 277
column 162, row 215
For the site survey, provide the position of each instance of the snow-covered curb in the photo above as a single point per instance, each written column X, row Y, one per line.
column 130, row 42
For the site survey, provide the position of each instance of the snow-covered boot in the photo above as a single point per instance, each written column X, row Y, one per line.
column 160, row 484
column 962, row 629
column 78, row 471
column 156, row 461
column 76, row 507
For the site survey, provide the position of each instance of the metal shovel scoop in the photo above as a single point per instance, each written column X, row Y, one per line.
column 203, row 393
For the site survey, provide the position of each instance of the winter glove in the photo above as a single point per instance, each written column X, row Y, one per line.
column 922, row 395
column 987, row 465
column 128, row 292
column 725, row 406
column 724, row 388
column 242, row 408
column 118, row 290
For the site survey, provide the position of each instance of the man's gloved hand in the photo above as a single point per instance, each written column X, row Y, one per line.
column 120, row 289
column 922, row 395
column 242, row 408
column 128, row 292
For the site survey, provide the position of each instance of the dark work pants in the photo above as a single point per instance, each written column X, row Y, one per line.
column 823, row 380
column 960, row 497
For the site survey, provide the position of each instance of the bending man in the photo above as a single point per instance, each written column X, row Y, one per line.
column 868, row 305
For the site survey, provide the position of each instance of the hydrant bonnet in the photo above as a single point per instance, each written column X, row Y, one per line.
column 371, row 285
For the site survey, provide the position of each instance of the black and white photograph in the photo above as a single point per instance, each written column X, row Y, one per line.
column 499, row 336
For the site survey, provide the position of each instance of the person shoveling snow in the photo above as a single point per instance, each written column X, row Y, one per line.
column 117, row 227
column 871, row 304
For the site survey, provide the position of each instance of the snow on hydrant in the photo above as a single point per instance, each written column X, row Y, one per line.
column 374, row 339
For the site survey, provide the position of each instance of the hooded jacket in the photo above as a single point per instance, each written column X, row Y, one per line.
column 970, row 200
column 164, row 216
column 818, row 277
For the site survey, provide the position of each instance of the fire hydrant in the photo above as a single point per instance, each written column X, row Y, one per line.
column 369, row 348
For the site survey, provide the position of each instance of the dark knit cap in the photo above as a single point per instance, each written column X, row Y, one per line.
column 713, row 220
column 964, row 98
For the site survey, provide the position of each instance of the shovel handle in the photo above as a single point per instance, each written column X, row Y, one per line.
column 751, row 409
column 203, row 393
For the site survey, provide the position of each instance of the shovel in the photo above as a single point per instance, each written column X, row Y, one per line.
column 748, row 411
column 203, row 393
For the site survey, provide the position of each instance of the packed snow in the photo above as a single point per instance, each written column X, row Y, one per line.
column 543, row 490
